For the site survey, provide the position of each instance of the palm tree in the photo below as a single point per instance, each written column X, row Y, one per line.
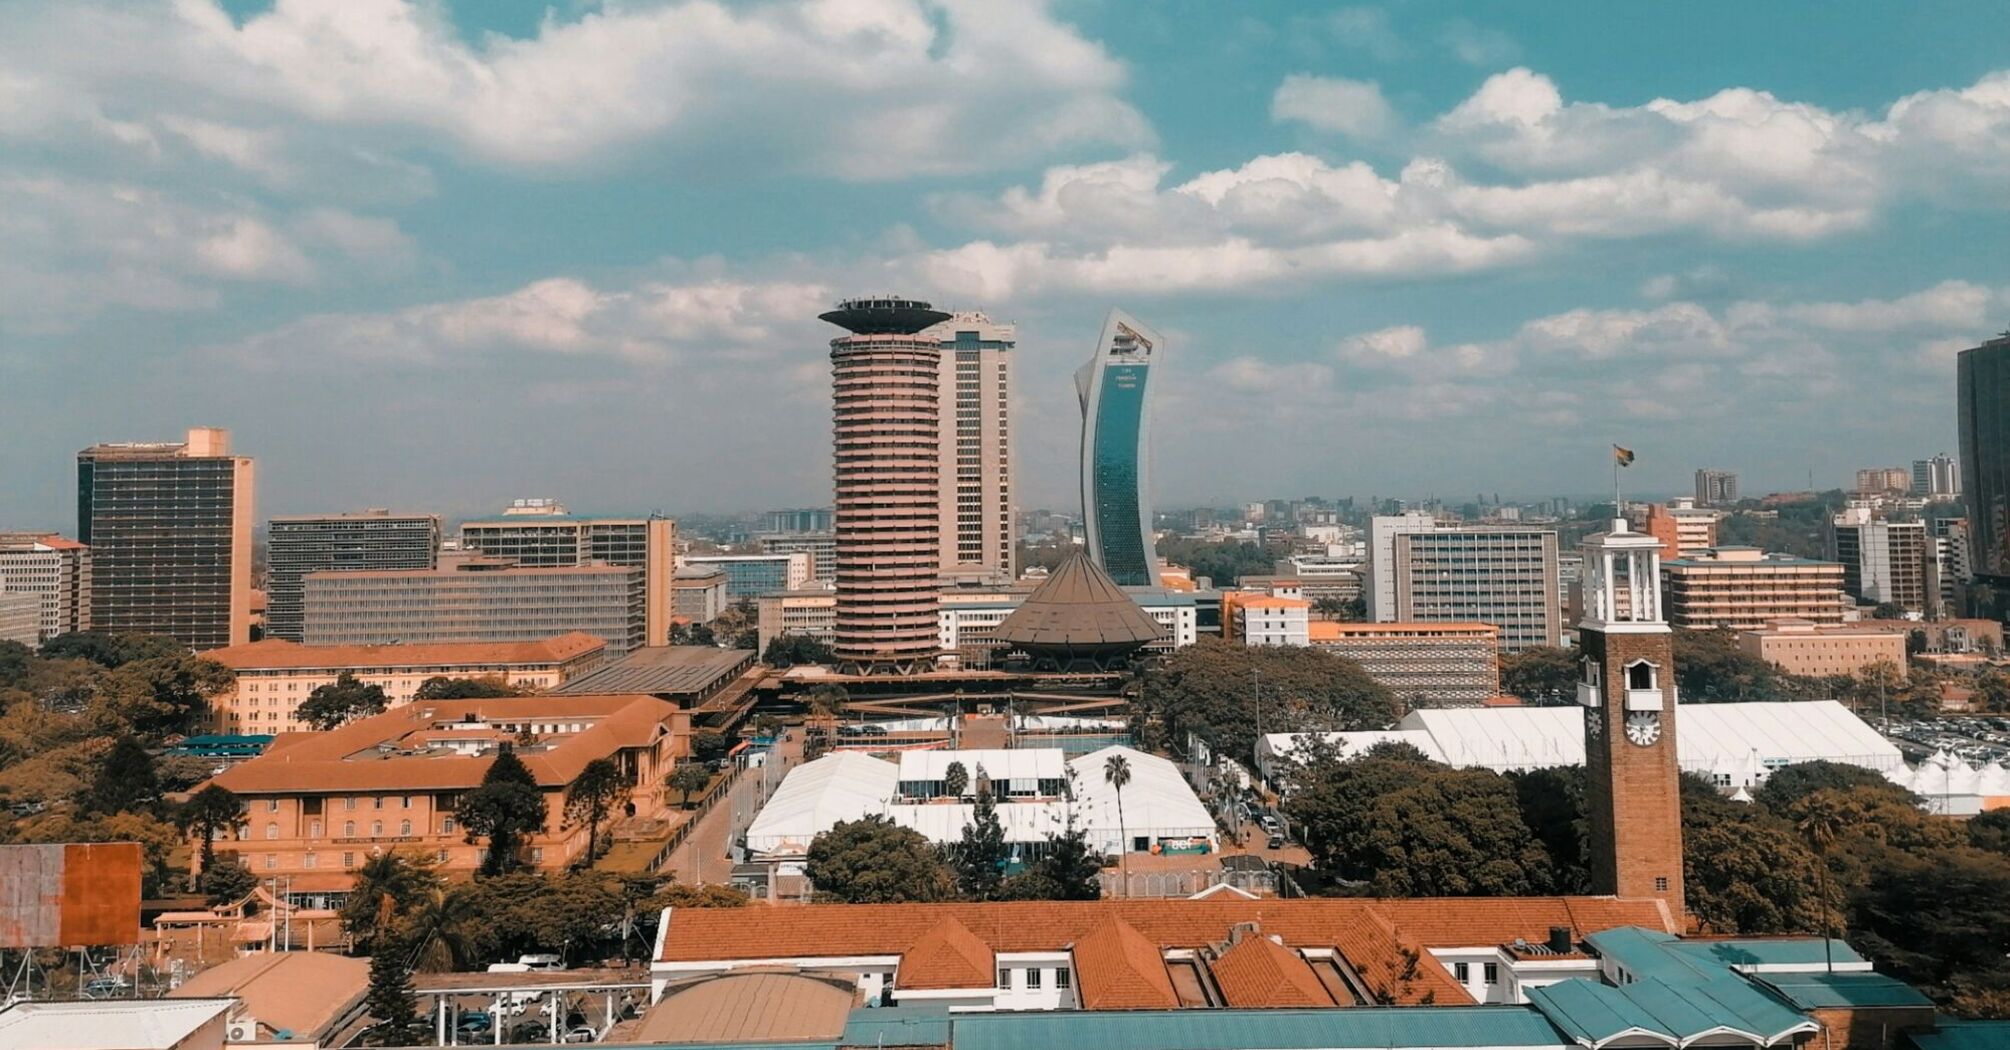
column 1117, row 773
column 387, row 884
column 438, row 931
column 1821, row 822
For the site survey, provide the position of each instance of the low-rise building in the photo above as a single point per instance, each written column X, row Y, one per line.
column 809, row 613
column 1322, row 576
column 1805, row 648
column 751, row 576
column 820, row 546
column 1263, row 619
column 700, row 593
column 477, row 599
column 1423, row 664
column 685, row 675
column 1682, row 527
column 968, row 620
column 273, row 677
column 290, row 998
column 57, row 572
column 20, row 618
column 319, row 804
column 1744, row 588
column 116, row 1024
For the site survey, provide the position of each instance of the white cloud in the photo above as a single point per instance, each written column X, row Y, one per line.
column 869, row 89
column 1477, row 45
column 1336, row 104
column 1368, row 29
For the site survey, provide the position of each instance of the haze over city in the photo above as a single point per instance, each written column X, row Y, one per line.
column 444, row 254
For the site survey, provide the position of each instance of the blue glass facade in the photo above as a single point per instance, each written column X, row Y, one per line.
column 1115, row 480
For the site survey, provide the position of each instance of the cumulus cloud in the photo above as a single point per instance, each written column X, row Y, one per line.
column 1336, row 104
column 865, row 89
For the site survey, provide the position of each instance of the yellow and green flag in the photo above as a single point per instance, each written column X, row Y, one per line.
column 1622, row 456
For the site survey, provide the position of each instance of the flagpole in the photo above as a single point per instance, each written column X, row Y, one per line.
column 1618, row 509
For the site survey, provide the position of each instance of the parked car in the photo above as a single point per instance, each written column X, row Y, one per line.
column 474, row 1022
column 581, row 1034
column 542, row 962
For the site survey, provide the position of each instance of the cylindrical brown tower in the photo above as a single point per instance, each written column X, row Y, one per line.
column 885, row 393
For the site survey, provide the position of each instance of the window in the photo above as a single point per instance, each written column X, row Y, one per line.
column 1492, row 973
column 349, row 803
column 1462, row 972
column 348, row 829
column 537, row 855
column 446, row 825
column 404, row 827
column 443, row 856
column 378, row 802
column 271, row 861
column 1660, row 883
column 272, row 805
column 1004, row 977
column 313, row 829
column 348, row 860
column 407, row 801
column 1033, row 980
column 307, row 861
column 1062, row 978
column 376, row 828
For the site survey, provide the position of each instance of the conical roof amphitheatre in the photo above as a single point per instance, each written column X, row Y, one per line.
column 1078, row 616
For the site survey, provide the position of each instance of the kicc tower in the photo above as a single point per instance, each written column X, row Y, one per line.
column 1632, row 788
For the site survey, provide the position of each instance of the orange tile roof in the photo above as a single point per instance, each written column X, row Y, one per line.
column 1095, row 930
column 320, row 763
column 1266, row 602
column 1259, row 972
column 1396, row 971
column 1116, row 968
column 948, row 955
column 1322, row 631
column 276, row 654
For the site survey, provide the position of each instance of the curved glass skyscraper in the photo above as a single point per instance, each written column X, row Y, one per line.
column 1116, row 450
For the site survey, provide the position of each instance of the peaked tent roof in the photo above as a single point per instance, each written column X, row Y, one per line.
column 1078, row 605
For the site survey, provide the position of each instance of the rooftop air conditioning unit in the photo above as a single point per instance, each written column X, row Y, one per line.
column 241, row 1030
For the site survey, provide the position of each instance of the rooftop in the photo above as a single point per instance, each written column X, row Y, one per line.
column 274, row 654
column 890, row 315
column 106, row 1024
column 300, row 993
column 750, row 1007
column 1440, row 1028
column 663, row 670
column 391, row 752
column 1078, row 606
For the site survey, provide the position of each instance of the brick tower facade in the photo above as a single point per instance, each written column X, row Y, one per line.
column 1632, row 790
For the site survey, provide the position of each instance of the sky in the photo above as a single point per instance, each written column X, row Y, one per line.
column 438, row 255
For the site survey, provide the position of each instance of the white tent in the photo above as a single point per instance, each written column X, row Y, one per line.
column 840, row 786
column 1157, row 803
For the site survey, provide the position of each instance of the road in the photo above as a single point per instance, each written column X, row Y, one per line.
column 702, row 859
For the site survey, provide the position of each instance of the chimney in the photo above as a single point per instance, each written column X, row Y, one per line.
column 1559, row 939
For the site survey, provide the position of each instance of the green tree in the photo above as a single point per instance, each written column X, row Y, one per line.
column 226, row 881
column 693, row 634
column 709, row 746
column 826, row 699
column 505, row 809
column 788, row 649
column 441, row 687
column 159, row 694
column 955, row 779
column 687, row 778
column 110, row 649
column 981, row 855
column 1545, row 675
column 15, row 660
column 211, row 812
column 872, row 860
column 1221, row 691
column 1990, row 831
column 1888, row 611
column 1710, row 668
column 125, row 781
column 341, row 701
column 1744, row 870
column 1117, row 774
column 1068, row 870
column 591, row 796
column 1788, row 785
column 1992, row 691
column 387, row 886
column 390, row 1000
column 678, row 895
column 1552, row 805
column 1936, row 918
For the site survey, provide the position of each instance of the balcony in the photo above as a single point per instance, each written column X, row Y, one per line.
column 1643, row 699
column 1587, row 694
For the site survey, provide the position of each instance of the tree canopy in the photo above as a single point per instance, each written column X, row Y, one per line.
column 1544, row 675
column 591, row 796
column 505, row 809
column 981, row 855
column 441, row 687
column 343, row 700
column 872, row 860
column 788, row 649
column 1214, row 688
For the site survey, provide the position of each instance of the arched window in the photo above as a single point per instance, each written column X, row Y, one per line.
column 376, row 828
column 404, row 827
column 349, row 829
column 272, row 831
column 1640, row 675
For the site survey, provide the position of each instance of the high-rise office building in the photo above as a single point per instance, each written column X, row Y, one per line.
column 1115, row 390
column 1379, row 591
column 820, row 546
column 57, row 572
column 1883, row 561
column 1744, row 588
column 976, row 421
column 1682, row 527
column 20, row 618
column 372, row 539
column 1716, row 488
column 1939, row 476
column 886, row 393
column 169, row 525
column 1982, row 397
column 1480, row 574
column 1951, row 565
column 804, row 519
column 751, row 576
column 476, row 599
column 1632, row 785
column 1873, row 481
column 541, row 534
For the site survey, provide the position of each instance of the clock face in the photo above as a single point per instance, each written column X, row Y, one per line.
column 1643, row 727
column 1594, row 723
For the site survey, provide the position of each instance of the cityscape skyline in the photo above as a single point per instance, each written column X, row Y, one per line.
column 1355, row 220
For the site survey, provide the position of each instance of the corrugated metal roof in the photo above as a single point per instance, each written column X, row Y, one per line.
column 1078, row 605
column 1965, row 1035
column 663, row 670
column 1378, row 1027
column 1822, row 991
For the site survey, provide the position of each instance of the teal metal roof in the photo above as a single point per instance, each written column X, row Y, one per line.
column 1769, row 951
column 1965, row 1035
column 1383, row 1028
column 897, row 1026
column 1595, row 1014
column 1817, row 991
column 1646, row 954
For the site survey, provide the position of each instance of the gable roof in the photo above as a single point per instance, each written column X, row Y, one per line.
column 298, row 992
column 1118, row 969
column 1078, row 605
column 1258, row 971
column 1396, row 971
column 948, row 955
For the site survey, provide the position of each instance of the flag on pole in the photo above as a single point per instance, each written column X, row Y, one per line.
column 1622, row 456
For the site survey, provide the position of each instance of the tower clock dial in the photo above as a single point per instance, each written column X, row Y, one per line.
column 1594, row 723
column 1643, row 727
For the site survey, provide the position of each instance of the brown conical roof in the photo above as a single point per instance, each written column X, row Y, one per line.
column 1078, row 606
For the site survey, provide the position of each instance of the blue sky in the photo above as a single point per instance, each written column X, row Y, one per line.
column 440, row 255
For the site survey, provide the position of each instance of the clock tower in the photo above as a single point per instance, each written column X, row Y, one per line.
column 1626, row 685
